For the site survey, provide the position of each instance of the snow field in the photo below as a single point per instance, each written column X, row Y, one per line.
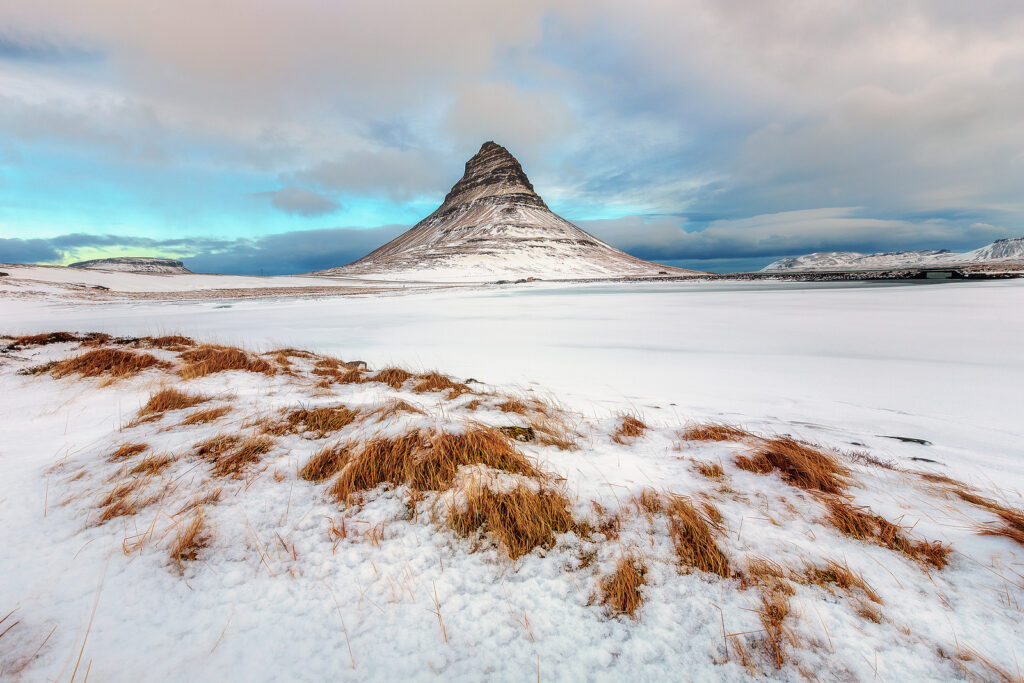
column 281, row 591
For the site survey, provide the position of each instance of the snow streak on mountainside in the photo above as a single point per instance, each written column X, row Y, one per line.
column 1000, row 251
column 492, row 225
column 134, row 264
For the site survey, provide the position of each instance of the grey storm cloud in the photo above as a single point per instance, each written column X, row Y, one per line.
column 299, row 200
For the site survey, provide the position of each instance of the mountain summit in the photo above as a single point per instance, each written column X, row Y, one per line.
column 492, row 225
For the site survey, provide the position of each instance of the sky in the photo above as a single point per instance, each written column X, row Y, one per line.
column 274, row 136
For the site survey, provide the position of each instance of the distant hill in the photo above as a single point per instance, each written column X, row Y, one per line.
column 1009, row 251
column 492, row 225
column 134, row 264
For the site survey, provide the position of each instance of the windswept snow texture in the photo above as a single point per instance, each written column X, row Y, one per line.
column 491, row 226
column 1006, row 251
column 134, row 264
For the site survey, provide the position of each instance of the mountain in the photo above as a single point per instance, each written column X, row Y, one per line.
column 492, row 225
column 1009, row 251
column 134, row 264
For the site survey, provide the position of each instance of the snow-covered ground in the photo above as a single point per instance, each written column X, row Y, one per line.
column 275, row 596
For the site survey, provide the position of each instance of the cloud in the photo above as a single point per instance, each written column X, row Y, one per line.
column 300, row 201
column 299, row 251
column 786, row 234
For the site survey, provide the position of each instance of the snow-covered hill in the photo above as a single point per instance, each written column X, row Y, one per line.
column 491, row 226
column 1000, row 251
column 134, row 264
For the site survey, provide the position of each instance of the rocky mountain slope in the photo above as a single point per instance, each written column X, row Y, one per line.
column 1009, row 251
column 493, row 225
column 134, row 264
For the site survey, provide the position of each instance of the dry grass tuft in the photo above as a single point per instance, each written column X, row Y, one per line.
column 327, row 462
column 861, row 523
column 555, row 431
column 209, row 359
column 393, row 377
column 774, row 609
column 631, row 427
column 208, row 415
column 711, row 470
column 152, row 465
column 190, row 538
column 801, row 465
column 513, row 405
column 693, row 531
column 841, row 576
column 171, row 399
column 620, row 593
column 714, row 431
column 42, row 339
column 518, row 520
column 434, row 381
column 127, row 450
column 316, row 423
column 171, row 342
column 428, row 462
column 390, row 409
column 231, row 454
column 112, row 363
column 1011, row 523
column 120, row 501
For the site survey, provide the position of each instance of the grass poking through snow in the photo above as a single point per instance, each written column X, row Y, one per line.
column 620, row 592
column 209, row 359
column 801, row 465
column 110, row 363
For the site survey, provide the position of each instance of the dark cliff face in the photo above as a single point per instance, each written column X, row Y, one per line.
column 492, row 171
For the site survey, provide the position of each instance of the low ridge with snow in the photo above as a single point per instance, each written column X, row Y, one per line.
column 1001, row 251
column 492, row 225
column 134, row 264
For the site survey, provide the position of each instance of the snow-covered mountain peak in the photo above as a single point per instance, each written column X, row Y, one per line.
column 134, row 264
column 492, row 225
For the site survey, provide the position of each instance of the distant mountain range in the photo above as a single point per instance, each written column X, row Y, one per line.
column 492, row 225
column 134, row 264
column 1009, row 251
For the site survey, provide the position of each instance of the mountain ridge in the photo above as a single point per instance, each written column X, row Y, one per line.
column 1006, row 250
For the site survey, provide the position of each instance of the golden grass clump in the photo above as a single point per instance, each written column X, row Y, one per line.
column 513, row 405
column 620, row 593
column 234, row 462
column 693, row 531
column 171, row 399
column 711, row 470
column 631, row 427
column 840, row 575
column 127, row 450
column 170, row 342
column 190, row 539
column 428, row 462
column 861, row 523
column 42, row 339
column 152, row 465
column 120, row 501
column 393, row 377
column 773, row 611
column 801, row 465
column 554, row 431
column 380, row 460
column 209, row 359
column 318, row 422
column 204, row 416
column 112, row 363
column 392, row 408
column 518, row 520
column 434, row 381
column 327, row 462
column 713, row 431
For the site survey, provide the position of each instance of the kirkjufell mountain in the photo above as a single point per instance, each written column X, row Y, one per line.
column 492, row 226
